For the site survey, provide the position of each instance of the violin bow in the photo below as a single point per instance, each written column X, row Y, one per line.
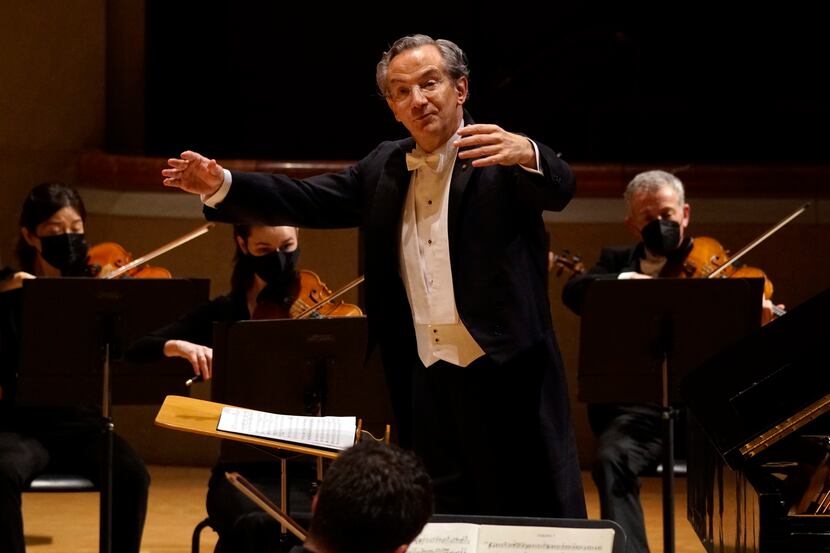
column 743, row 251
column 158, row 251
column 333, row 296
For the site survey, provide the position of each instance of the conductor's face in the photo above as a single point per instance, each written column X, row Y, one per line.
column 423, row 97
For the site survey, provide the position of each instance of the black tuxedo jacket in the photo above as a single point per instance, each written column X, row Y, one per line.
column 497, row 238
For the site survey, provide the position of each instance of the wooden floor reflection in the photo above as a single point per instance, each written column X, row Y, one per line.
column 58, row 522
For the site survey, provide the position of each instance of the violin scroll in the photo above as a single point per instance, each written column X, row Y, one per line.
column 567, row 262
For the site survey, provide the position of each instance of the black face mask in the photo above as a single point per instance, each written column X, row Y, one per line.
column 65, row 252
column 275, row 268
column 661, row 236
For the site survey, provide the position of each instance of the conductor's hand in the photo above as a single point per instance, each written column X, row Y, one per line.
column 492, row 145
column 194, row 173
column 201, row 357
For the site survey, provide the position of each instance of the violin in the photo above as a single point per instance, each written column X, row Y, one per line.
column 107, row 257
column 109, row 260
column 706, row 256
column 708, row 259
column 307, row 297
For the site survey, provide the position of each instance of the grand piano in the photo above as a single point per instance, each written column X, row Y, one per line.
column 759, row 461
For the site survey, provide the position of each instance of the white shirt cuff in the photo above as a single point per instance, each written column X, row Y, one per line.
column 538, row 169
column 216, row 198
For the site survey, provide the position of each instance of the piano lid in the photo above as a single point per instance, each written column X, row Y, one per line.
column 765, row 386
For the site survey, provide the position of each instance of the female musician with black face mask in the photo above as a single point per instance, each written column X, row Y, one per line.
column 266, row 257
column 36, row 440
column 264, row 265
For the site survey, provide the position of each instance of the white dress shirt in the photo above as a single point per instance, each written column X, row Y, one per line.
column 650, row 265
column 425, row 262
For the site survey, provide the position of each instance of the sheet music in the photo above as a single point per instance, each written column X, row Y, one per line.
column 514, row 539
column 449, row 537
column 326, row 432
column 446, row 537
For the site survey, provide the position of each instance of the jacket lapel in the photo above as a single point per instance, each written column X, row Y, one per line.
column 390, row 195
column 462, row 171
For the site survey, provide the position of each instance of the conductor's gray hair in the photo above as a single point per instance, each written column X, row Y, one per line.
column 455, row 61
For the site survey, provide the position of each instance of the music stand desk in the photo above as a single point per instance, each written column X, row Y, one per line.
column 640, row 338
column 74, row 331
column 201, row 417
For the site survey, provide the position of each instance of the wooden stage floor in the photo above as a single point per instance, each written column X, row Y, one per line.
column 68, row 522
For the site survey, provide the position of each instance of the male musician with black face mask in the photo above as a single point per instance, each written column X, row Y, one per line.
column 265, row 263
column 629, row 438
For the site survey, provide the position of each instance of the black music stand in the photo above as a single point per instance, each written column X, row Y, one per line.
column 297, row 367
column 639, row 338
column 74, row 333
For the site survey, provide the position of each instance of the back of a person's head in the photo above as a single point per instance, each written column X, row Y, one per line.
column 374, row 498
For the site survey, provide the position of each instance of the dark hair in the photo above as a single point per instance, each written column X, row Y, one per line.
column 43, row 201
column 242, row 277
column 374, row 498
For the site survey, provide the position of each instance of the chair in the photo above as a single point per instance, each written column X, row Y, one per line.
column 51, row 482
column 197, row 532
column 61, row 483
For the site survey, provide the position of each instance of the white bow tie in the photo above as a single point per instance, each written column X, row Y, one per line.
column 415, row 160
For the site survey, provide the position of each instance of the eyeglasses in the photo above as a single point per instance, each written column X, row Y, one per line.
column 402, row 93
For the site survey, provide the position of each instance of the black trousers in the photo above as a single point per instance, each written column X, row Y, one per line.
column 629, row 441
column 71, row 447
column 485, row 433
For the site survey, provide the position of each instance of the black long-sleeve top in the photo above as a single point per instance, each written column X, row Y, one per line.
column 195, row 326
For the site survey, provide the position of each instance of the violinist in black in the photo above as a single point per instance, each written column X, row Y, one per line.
column 629, row 439
column 264, row 265
column 38, row 440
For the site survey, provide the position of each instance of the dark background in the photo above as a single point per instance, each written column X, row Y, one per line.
column 259, row 82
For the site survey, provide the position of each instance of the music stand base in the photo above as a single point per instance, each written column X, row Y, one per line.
column 668, row 479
